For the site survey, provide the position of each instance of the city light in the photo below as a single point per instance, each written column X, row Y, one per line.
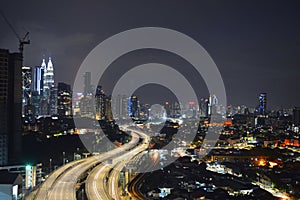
column 94, row 106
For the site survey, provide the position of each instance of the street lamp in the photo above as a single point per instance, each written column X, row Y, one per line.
column 64, row 153
column 77, row 150
column 50, row 165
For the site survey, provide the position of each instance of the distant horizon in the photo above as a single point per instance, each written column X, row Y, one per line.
column 273, row 107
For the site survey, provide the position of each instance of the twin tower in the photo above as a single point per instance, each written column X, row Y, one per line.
column 44, row 78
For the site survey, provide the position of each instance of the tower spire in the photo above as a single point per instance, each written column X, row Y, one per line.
column 48, row 78
column 44, row 64
column 50, row 65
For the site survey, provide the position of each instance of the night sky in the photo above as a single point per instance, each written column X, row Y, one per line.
column 255, row 44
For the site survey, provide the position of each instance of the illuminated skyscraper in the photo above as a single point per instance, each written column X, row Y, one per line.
column 38, row 78
column 48, row 77
column 28, row 110
column 133, row 107
column 262, row 106
column 44, row 95
column 26, row 86
column 100, row 101
column 173, row 110
column 64, row 100
column 167, row 107
column 37, row 95
column 145, row 111
column 213, row 105
column 103, row 105
column 204, row 108
column 53, row 101
column 108, row 111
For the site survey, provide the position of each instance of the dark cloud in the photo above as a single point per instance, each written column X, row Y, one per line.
column 255, row 44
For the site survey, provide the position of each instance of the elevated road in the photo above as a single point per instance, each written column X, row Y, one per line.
column 96, row 183
column 61, row 184
column 43, row 191
column 113, row 181
column 102, row 182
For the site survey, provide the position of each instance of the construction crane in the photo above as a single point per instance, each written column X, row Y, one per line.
column 22, row 41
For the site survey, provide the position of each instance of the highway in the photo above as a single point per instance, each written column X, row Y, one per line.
column 61, row 184
column 97, row 185
column 64, row 188
column 113, row 180
column 134, row 185
column 43, row 191
column 133, row 189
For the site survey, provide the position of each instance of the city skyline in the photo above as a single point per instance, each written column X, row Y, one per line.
column 149, row 100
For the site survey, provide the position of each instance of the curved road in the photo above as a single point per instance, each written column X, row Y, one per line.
column 43, row 191
column 61, row 184
column 114, row 177
column 97, row 185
